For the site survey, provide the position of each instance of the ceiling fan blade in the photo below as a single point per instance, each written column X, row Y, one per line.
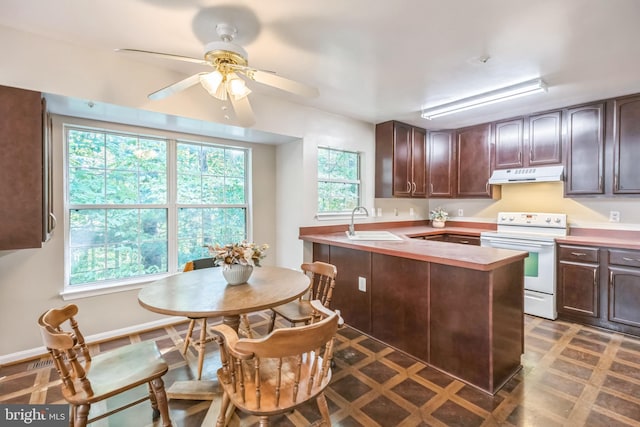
column 166, row 56
column 282, row 83
column 176, row 87
column 243, row 110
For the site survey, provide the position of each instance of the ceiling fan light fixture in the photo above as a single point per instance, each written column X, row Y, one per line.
column 525, row 88
column 211, row 81
column 237, row 88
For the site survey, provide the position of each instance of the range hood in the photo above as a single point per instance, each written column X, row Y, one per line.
column 523, row 175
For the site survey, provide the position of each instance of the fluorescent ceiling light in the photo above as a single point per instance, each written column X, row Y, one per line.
column 498, row 95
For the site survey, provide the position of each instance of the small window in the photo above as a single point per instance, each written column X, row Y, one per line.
column 338, row 180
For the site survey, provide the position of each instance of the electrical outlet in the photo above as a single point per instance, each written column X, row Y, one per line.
column 460, row 212
column 395, row 211
column 614, row 216
column 362, row 284
column 411, row 212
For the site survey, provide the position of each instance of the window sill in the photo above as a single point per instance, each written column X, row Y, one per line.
column 338, row 215
column 87, row 291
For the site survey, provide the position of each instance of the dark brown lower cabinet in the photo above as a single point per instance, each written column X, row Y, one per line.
column 468, row 323
column 581, row 298
column 400, row 303
column 624, row 287
column 578, row 287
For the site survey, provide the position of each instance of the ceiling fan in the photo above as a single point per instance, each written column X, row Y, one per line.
column 227, row 81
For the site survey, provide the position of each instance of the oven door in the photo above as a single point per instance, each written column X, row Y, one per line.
column 539, row 266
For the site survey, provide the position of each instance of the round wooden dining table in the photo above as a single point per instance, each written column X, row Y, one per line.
column 205, row 293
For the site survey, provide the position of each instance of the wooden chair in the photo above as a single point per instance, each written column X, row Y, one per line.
column 203, row 340
column 274, row 374
column 323, row 280
column 90, row 379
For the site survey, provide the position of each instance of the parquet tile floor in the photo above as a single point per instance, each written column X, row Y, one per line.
column 572, row 376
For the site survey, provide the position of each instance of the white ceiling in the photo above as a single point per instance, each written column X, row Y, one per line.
column 377, row 60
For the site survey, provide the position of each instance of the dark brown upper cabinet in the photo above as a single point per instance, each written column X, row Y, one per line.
column 473, row 169
column 531, row 141
column 509, row 144
column 440, row 164
column 401, row 160
column 626, row 145
column 21, row 169
column 544, row 139
column 585, row 149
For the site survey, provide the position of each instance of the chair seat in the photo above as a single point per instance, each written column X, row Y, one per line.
column 268, row 374
column 115, row 371
column 295, row 311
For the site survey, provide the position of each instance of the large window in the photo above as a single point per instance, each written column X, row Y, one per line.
column 338, row 180
column 139, row 206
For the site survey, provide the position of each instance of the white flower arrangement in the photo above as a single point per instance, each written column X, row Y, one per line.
column 438, row 214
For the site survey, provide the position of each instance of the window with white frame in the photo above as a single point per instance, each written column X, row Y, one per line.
column 338, row 180
column 139, row 205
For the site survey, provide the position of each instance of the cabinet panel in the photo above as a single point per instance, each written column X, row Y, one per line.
column 21, row 169
column 626, row 145
column 624, row 258
column 578, row 289
column 441, row 164
column 463, row 240
column 401, row 160
column 624, row 295
column 545, row 143
column 578, row 253
column 509, row 144
column 585, row 150
column 473, row 147
column 400, row 301
column 355, row 305
column 418, row 162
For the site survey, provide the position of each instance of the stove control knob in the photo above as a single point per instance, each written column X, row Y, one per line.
column 512, row 218
column 503, row 218
column 557, row 220
column 548, row 220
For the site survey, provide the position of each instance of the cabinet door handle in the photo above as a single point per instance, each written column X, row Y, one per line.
column 615, row 183
column 431, row 187
column 408, row 187
column 578, row 254
column 55, row 221
column 600, row 183
column 630, row 259
column 413, row 188
column 519, row 156
column 464, row 242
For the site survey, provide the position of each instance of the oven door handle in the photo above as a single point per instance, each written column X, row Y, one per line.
column 515, row 244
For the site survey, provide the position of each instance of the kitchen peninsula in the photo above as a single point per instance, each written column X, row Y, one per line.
column 456, row 307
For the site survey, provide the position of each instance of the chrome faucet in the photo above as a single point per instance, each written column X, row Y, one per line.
column 352, row 229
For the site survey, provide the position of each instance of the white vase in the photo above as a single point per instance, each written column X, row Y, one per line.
column 437, row 223
column 237, row 274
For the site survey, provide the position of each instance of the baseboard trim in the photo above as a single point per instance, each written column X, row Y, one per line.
column 40, row 351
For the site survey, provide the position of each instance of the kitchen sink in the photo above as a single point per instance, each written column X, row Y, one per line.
column 373, row 235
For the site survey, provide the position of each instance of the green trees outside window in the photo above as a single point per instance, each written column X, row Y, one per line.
column 121, row 207
column 338, row 180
